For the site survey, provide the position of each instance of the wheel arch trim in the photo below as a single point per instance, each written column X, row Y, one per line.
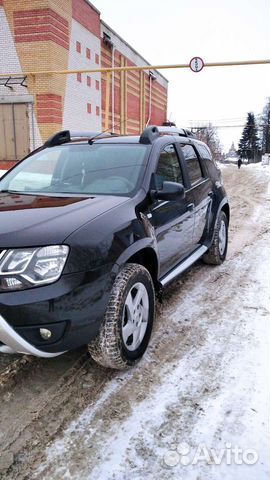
column 136, row 249
column 223, row 206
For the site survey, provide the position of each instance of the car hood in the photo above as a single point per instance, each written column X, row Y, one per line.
column 33, row 220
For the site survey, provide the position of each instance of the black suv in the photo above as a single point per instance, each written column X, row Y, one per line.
column 92, row 227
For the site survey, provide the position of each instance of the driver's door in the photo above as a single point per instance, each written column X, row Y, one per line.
column 173, row 220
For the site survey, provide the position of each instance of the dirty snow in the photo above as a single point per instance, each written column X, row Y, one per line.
column 202, row 387
column 233, row 359
column 236, row 413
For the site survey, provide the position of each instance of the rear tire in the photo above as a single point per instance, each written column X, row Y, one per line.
column 218, row 250
column 127, row 325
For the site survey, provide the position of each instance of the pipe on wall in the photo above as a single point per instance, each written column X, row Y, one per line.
column 152, row 77
column 113, row 100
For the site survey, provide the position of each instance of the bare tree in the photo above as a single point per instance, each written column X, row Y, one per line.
column 208, row 134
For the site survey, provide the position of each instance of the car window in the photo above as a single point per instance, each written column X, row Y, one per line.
column 168, row 168
column 80, row 169
column 193, row 164
column 35, row 175
column 204, row 152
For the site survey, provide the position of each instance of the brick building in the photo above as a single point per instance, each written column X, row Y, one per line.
column 49, row 35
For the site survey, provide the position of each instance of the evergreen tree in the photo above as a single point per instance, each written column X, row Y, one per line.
column 249, row 145
column 265, row 120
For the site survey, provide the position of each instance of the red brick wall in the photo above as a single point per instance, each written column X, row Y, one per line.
column 158, row 116
column 87, row 16
column 49, row 108
column 39, row 25
column 6, row 164
column 133, row 107
column 159, row 96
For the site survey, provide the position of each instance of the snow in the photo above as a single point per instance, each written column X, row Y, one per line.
column 256, row 436
column 256, row 167
column 214, row 391
column 244, row 397
column 243, row 406
column 232, row 159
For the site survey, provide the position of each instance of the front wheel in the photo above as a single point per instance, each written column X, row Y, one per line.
column 218, row 250
column 127, row 324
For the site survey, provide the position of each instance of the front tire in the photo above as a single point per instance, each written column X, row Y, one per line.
column 218, row 250
column 127, row 325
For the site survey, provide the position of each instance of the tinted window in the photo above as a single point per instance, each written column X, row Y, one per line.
column 80, row 169
column 193, row 164
column 204, row 152
column 168, row 168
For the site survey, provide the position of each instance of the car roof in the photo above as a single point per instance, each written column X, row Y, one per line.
column 133, row 140
column 150, row 136
column 119, row 139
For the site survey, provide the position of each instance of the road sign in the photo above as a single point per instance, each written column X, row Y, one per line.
column 196, row 64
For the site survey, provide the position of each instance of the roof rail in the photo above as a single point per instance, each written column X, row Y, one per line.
column 58, row 138
column 151, row 133
column 189, row 133
column 66, row 136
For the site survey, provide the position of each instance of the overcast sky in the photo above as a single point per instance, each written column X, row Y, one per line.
column 174, row 31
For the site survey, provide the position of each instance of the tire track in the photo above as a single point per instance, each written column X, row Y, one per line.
column 132, row 410
column 43, row 396
column 13, row 368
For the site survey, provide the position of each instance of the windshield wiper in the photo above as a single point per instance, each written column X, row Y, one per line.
column 15, row 191
column 9, row 191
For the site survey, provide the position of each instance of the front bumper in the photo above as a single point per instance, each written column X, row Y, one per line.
column 14, row 343
column 72, row 308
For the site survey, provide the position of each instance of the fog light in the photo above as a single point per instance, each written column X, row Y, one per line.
column 45, row 333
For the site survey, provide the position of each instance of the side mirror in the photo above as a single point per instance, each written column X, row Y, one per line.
column 170, row 191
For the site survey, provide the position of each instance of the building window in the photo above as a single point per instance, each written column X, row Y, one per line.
column 79, row 77
column 97, row 111
column 97, row 85
column 88, row 53
column 97, row 59
column 88, row 79
column 78, row 47
column 89, row 109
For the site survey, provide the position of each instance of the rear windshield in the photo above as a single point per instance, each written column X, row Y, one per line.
column 80, row 169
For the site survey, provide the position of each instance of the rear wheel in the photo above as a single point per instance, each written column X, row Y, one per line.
column 218, row 250
column 127, row 325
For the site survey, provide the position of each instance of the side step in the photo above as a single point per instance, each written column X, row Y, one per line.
column 183, row 266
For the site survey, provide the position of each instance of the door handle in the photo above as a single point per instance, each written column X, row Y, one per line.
column 190, row 206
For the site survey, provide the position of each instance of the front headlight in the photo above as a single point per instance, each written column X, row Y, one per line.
column 29, row 267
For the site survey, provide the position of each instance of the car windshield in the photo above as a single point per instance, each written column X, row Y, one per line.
column 107, row 169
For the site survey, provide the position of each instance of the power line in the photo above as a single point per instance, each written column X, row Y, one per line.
column 228, row 126
column 220, row 121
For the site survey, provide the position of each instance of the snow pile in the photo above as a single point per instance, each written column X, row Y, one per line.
column 259, row 167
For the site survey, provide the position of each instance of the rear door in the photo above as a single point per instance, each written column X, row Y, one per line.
column 173, row 220
column 201, row 190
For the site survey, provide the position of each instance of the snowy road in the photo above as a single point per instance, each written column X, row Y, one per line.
column 200, row 394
